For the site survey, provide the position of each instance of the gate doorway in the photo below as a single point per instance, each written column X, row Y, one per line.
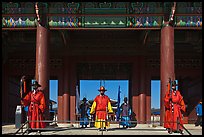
column 89, row 90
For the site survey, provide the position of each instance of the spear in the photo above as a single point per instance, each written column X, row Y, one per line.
column 22, row 95
column 171, row 103
column 22, row 86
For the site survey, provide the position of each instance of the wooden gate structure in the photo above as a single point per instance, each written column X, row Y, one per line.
column 136, row 41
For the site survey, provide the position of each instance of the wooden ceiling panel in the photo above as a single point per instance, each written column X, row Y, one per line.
column 103, row 42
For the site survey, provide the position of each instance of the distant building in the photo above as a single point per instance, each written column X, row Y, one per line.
column 51, row 109
column 155, row 115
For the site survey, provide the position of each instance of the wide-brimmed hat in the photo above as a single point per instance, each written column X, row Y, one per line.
column 174, row 83
column 35, row 83
column 84, row 99
column 102, row 88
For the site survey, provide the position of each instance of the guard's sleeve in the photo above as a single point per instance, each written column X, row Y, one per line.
column 27, row 99
column 93, row 107
column 79, row 110
column 88, row 112
column 130, row 111
column 110, row 110
column 166, row 100
column 42, row 103
column 182, row 104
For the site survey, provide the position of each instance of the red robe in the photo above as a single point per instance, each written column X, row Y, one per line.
column 36, row 103
column 101, row 106
column 178, row 108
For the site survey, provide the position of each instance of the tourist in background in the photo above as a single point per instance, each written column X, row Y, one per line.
column 199, row 114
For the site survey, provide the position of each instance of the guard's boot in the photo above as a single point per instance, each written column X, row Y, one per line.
column 169, row 130
column 181, row 131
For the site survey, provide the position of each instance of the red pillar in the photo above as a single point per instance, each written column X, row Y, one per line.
column 66, row 107
column 60, row 114
column 148, row 97
column 60, row 97
column 142, row 108
column 142, row 94
column 42, row 63
column 66, row 90
column 167, row 64
column 135, row 90
column 73, row 81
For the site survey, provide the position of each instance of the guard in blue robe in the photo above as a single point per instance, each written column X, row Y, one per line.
column 125, row 114
column 85, row 113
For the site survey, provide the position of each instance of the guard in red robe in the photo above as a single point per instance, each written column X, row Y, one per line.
column 174, row 109
column 101, row 107
column 167, row 116
column 36, row 101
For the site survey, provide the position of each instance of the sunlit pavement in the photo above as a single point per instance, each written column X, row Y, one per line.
column 140, row 129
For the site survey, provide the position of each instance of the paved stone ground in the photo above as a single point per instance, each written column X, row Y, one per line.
column 114, row 129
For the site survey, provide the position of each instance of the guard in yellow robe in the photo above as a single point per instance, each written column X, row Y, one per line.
column 101, row 107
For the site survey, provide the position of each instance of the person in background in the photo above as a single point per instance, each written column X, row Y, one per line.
column 101, row 107
column 199, row 114
column 125, row 114
column 35, row 99
column 84, row 111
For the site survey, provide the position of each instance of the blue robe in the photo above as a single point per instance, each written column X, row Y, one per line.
column 85, row 113
column 125, row 115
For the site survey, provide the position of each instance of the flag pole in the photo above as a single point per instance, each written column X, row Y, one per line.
column 118, row 106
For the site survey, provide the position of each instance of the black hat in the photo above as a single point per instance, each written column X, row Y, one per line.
column 35, row 83
column 102, row 88
column 84, row 99
column 174, row 83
